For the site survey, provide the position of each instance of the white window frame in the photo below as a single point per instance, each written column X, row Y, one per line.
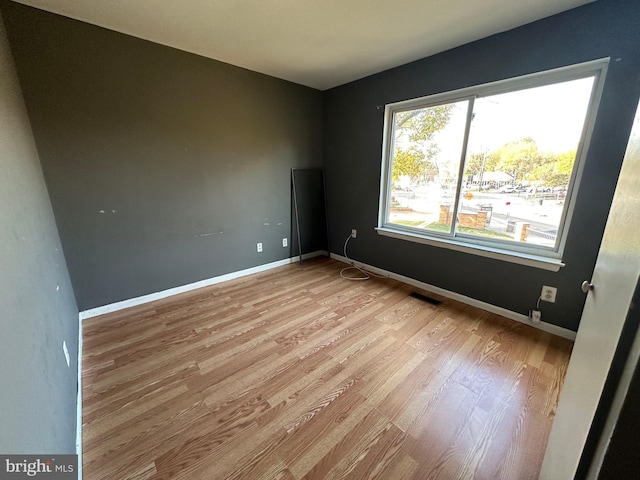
column 548, row 258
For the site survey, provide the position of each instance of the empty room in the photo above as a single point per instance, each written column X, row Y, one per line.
column 319, row 240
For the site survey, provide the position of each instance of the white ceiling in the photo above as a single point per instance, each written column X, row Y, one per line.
column 322, row 43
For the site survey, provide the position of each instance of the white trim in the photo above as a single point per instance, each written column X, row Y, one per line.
column 113, row 307
column 512, row 84
column 79, row 401
column 518, row 317
column 536, row 261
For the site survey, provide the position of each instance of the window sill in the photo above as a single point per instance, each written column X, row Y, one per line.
column 519, row 258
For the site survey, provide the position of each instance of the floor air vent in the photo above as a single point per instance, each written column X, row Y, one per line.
column 424, row 298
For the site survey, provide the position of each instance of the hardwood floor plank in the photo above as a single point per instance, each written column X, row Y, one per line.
column 200, row 449
column 538, row 349
column 123, row 444
column 297, row 373
column 344, row 455
column 323, row 445
column 402, row 467
column 261, row 457
column 125, row 417
column 381, row 452
column 202, row 461
column 96, row 407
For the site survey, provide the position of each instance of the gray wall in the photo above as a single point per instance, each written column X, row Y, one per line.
column 38, row 390
column 188, row 158
column 353, row 144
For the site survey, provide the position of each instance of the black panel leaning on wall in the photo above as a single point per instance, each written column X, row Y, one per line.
column 353, row 128
column 309, row 210
column 164, row 167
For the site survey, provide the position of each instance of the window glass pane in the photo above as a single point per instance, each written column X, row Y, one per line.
column 427, row 148
column 520, row 158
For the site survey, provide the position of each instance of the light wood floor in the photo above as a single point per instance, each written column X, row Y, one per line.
column 296, row 373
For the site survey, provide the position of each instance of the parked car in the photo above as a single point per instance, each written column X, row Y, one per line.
column 507, row 189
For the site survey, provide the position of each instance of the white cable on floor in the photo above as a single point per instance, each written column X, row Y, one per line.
column 367, row 275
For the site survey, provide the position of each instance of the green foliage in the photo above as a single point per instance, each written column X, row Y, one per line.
column 555, row 170
column 518, row 158
column 407, row 162
column 564, row 163
column 481, row 162
column 525, row 162
column 412, row 163
column 419, row 127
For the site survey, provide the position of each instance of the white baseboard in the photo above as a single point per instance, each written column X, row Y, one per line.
column 114, row 307
column 518, row 317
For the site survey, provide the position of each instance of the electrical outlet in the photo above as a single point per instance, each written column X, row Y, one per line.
column 548, row 294
column 259, row 247
column 354, row 233
column 536, row 316
column 66, row 353
column 284, row 242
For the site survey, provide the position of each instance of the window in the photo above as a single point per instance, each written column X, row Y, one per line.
column 492, row 169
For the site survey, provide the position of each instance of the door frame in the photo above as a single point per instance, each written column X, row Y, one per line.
column 598, row 346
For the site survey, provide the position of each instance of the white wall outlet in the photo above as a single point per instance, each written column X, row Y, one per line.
column 285, row 242
column 354, row 233
column 66, row 353
column 536, row 316
column 548, row 294
column 259, row 247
